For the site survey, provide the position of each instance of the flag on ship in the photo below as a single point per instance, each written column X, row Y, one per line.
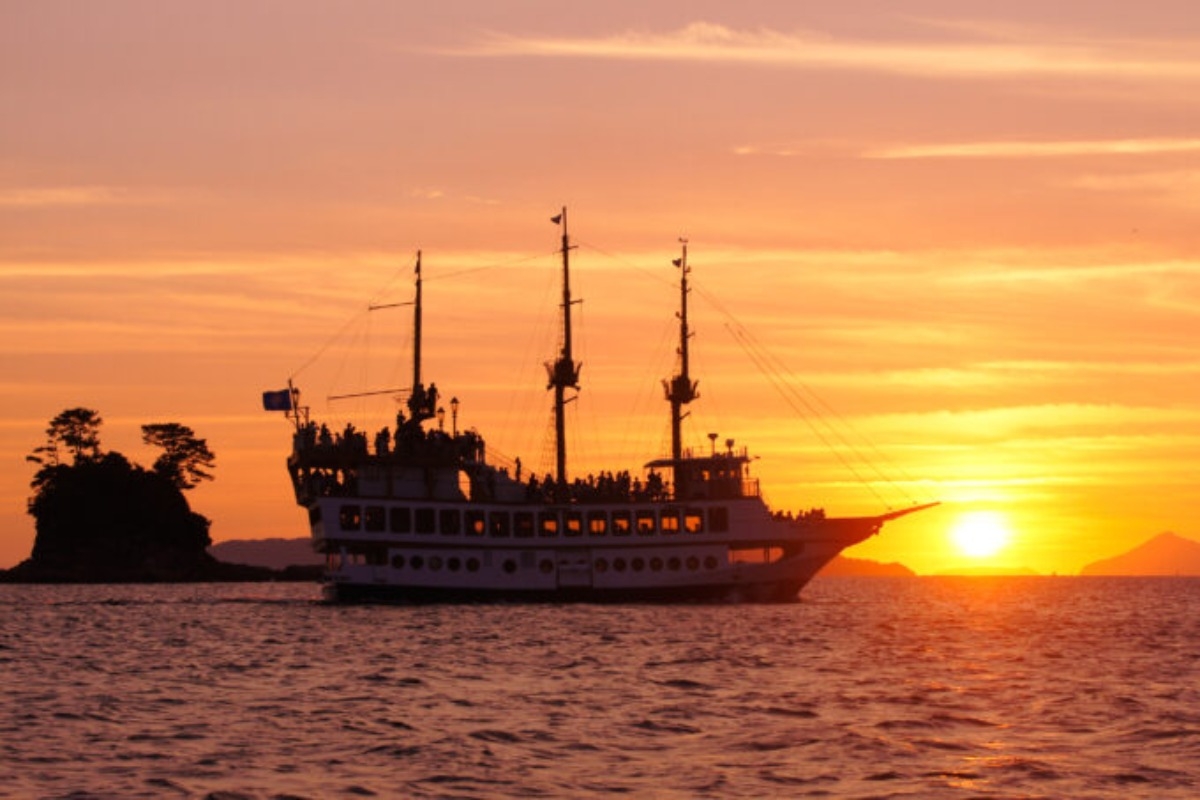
column 277, row 401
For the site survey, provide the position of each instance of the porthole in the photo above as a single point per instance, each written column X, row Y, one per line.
column 510, row 566
column 435, row 563
column 673, row 564
column 472, row 565
column 619, row 564
column 397, row 562
column 417, row 562
column 656, row 564
column 710, row 562
column 546, row 566
column 638, row 565
column 453, row 564
column 693, row 563
column 601, row 565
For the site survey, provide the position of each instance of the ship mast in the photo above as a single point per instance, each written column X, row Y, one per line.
column 421, row 403
column 416, row 381
column 681, row 389
column 563, row 373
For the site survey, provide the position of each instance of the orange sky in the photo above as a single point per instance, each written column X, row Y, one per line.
column 971, row 231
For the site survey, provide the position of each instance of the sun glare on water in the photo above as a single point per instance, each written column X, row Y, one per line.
column 980, row 534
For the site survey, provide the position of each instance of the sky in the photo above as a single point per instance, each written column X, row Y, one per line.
column 942, row 249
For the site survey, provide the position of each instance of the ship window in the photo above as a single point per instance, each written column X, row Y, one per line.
column 375, row 519
column 573, row 523
column 425, row 520
column 621, row 523
column 546, row 566
column 669, row 520
column 473, row 564
column 755, row 555
column 638, row 565
column 674, row 564
column 333, row 561
column 548, row 523
column 475, row 526
column 435, row 563
column 509, row 566
column 450, row 521
column 710, row 562
column 619, row 564
column 400, row 520
column 597, row 523
column 645, row 523
column 656, row 564
column 499, row 522
column 397, row 562
column 523, row 523
column 350, row 517
column 693, row 520
column 693, row 563
column 718, row 519
column 601, row 565
column 417, row 562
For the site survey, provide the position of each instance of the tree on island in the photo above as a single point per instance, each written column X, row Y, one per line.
column 101, row 517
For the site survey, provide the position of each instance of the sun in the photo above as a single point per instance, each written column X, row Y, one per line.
column 980, row 534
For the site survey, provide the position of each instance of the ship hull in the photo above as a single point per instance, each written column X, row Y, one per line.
column 718, row 552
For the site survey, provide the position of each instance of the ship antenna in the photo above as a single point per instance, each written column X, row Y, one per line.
column 681, row 389
column 563, row 373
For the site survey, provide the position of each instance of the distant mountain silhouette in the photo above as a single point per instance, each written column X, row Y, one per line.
column 841, row 566
column 1165, row 554
column 272, row 553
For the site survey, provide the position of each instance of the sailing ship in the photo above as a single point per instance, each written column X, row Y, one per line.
column 421, row 515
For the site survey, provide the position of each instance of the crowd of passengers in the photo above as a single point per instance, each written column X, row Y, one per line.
column 603, row 488
column 811, row 515
column 409, row 440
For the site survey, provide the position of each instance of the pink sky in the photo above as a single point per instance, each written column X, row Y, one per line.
column 971, row 230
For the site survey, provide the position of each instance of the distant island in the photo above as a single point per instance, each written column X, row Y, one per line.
column 1165, row 554
column 100, row 518
column 842, row 566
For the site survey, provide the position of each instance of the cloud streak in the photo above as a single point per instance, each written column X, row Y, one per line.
column 1037, row 149
column 1030, row 55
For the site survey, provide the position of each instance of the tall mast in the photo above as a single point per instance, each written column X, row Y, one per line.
column 421, row 403
column 563, row 373
column 416, row 381
column 681, row 389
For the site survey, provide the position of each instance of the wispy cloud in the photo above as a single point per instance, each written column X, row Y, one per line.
column 46, row 197
column 1033, row 54
column 1037, row 149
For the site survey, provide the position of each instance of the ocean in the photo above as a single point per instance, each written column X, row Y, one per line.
column 867, row 687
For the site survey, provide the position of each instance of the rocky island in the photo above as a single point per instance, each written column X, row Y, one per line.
column 100, row 518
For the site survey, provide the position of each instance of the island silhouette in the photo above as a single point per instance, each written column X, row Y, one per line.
column 101, row 518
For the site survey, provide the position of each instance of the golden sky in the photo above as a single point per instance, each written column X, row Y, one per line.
column 969, row 230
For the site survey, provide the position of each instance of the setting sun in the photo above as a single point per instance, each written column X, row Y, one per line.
column 980, row 534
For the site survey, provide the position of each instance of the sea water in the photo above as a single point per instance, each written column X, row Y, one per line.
column 867, row 687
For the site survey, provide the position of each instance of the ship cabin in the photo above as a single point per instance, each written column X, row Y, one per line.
column 717, row 476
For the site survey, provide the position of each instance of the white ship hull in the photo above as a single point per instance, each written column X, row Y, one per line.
column 467, row 551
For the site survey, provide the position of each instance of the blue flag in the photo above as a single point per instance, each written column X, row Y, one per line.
column 277, row 401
